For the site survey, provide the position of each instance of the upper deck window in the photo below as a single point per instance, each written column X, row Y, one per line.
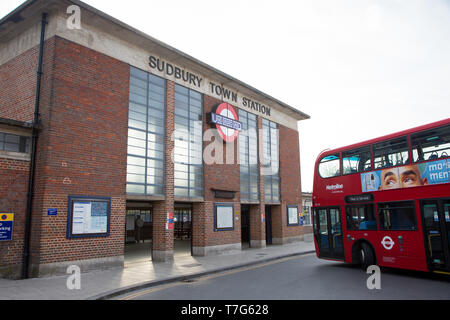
column 356, row 160
column 391, row 153
column 431, row 144
column 330, row 166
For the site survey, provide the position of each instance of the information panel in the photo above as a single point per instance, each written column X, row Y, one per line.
column 88, row 217
column 224, row 216
column 292, row 215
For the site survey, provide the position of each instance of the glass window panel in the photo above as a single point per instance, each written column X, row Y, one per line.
column 397, row 216
column 135, row 169
column 157, row 80
column 431, row 144
column 329, row 166
column 136, row 151
column 135, row 178
column 133, row 188
column 391, row 153
column 12, row 138
column 181, row 192
column 137, row 73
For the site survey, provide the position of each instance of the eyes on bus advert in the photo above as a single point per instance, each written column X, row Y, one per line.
column 414, row 175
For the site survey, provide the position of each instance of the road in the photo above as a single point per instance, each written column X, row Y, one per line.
column 301, row 278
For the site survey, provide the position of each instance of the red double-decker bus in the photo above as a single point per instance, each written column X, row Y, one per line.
column 386, row 201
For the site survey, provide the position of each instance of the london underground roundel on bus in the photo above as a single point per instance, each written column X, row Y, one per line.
column 227, row 121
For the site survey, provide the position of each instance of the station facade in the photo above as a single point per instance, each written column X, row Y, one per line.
column 131, row 141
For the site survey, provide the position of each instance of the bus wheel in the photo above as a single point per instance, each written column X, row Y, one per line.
column 366, row 256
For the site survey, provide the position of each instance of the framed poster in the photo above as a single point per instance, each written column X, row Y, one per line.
column 88, row 217
column 292, row 215
column 223, row 216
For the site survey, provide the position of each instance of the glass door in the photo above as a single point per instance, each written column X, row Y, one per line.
column 328, row 233
column 436, row 224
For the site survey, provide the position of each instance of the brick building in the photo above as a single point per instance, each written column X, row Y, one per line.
column 123, row 140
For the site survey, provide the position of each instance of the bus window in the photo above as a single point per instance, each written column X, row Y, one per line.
column 397, row 216
column 431, row 144
column 329, row 166
column 361, row 217
column 391, row 153
column 357, row 160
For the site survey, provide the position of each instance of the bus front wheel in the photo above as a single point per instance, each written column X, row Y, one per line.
column 366, row 256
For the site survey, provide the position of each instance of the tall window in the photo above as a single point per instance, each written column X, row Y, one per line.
column 271, row 161
column 188, row 143
column 248, row 156
column 146, row 132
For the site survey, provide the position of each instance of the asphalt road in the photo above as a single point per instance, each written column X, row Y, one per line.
column 301, row 278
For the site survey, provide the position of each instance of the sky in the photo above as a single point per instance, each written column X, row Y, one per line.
column 360, row 68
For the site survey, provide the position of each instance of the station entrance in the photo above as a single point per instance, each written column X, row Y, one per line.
column 182, row 232
column 139, row 231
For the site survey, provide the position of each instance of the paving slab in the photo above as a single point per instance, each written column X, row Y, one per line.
column 104, row 284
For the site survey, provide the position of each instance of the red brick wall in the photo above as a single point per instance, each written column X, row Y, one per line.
column 223, row 177
column 81, row 149
column 13, row 195
column 290, row 184
column 18, row 86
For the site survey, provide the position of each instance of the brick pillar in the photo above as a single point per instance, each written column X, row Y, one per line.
column 200, row 217
column 257, row 225
column 163, row 240
column 278, row 220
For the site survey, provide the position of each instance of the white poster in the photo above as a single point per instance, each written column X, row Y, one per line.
column 81, row 217
column 89, row 217
column 224, row 216
column 292, row 215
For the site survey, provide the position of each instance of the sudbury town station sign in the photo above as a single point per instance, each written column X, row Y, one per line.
column 193, row 80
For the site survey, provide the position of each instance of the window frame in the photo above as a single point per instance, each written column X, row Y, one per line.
column 358, row 148
column 408, row 151
column 340, row 165
column 411, row 137
column 381, row 225
column 365, row 205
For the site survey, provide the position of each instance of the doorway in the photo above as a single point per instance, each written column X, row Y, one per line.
column 436, row 225
column 138, row 234
column 245, row 226
column 182, row 229
column 328, row 232
column 268, row 225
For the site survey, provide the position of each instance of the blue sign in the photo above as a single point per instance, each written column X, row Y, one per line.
column 6, row 226
column 52, row 212
column 226, row 122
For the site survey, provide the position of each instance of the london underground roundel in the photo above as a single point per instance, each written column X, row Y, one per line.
column 227, row 121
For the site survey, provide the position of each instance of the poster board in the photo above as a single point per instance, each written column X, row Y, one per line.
column 292, row 215
column 223, row 216
column 88, row 217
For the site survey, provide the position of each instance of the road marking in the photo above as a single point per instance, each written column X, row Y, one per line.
column 213, row 276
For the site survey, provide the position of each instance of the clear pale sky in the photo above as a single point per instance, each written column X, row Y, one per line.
column 359, row 68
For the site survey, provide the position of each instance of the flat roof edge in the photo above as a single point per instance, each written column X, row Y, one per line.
column 295, row 113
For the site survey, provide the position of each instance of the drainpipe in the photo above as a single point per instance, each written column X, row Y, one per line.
column 26, row 247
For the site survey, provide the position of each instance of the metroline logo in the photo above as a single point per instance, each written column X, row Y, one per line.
column 334, row 187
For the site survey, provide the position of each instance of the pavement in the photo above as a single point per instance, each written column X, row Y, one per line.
column 109, row 283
